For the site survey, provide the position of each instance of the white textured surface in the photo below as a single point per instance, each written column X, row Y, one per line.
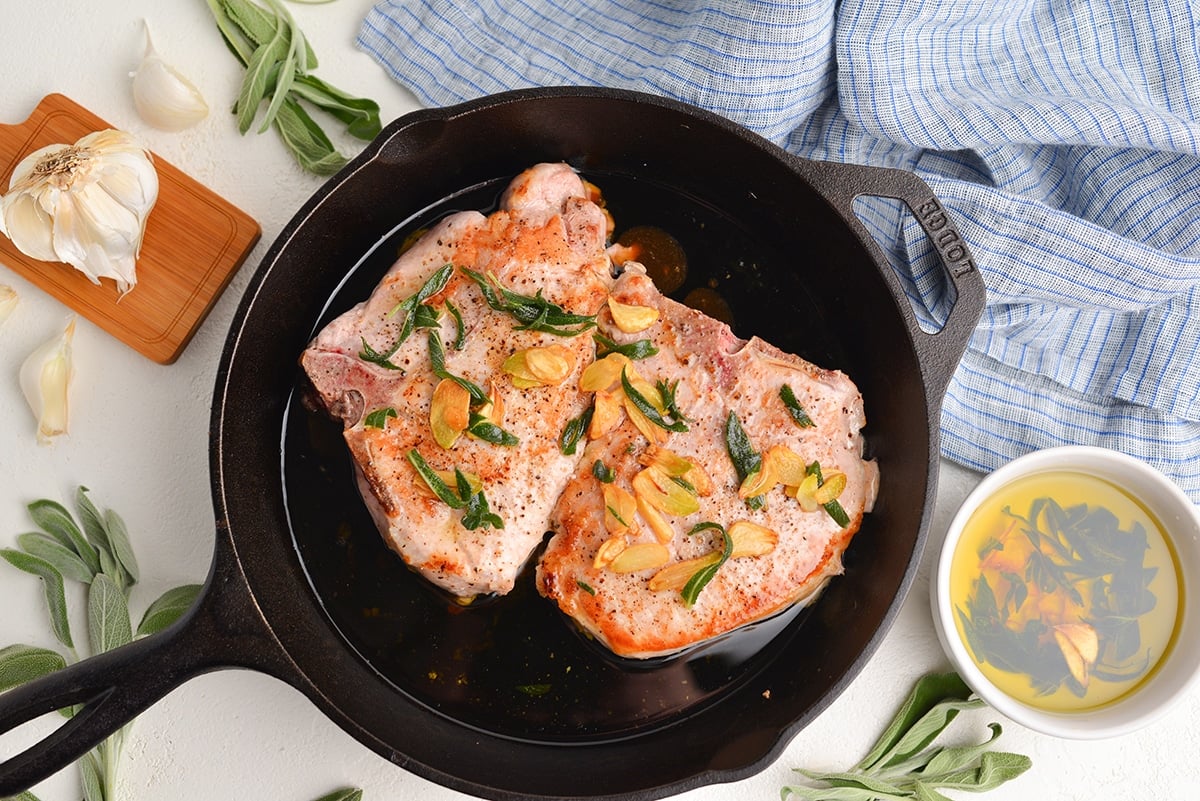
column 139, row 439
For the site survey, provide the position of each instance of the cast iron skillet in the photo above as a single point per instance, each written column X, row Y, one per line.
column 504, row 701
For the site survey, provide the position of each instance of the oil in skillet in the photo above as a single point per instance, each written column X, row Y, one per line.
column 1066, row 591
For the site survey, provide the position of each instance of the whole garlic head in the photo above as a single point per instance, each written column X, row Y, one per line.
column 85, row 204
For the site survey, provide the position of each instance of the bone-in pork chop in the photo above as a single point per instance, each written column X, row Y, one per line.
column 456, row 377
column 757, row 449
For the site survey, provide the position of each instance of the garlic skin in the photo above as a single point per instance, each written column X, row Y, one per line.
column 163, row 97
column 85, row 204
column 46, row 380
column 8, row 301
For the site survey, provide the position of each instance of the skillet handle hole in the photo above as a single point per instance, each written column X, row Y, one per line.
column 912, row 256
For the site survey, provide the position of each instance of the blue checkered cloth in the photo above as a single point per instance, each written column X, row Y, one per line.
column 1063, row 137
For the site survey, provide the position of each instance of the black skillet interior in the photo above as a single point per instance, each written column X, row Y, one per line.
column 505, row 700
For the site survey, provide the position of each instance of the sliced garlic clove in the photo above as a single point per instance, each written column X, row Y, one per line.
column 163, row 97
column 45, row 381
column 8, row 301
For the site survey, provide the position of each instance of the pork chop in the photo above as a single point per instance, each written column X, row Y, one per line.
column 622, row 562
column 465, row 358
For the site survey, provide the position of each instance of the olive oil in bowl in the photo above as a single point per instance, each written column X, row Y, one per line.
column 1065, row 590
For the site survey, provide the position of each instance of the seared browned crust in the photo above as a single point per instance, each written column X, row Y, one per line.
column 718, row 373
column 547, row 237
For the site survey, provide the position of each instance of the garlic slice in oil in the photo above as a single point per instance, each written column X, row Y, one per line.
column 164, row 98
column 8, row 301
column 46, row 381
column 85, row 204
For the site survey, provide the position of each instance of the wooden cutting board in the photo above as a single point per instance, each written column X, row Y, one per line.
column 195, row 241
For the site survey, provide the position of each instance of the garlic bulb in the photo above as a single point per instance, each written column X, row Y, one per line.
column 162, row 96
column 45, row 381
column 85, row 204
column 8, row 301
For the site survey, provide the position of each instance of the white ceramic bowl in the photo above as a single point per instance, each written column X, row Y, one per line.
column 1177, row 671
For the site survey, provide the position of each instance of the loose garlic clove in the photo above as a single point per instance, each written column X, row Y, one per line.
column 8, row 301
column 85, row 204
column 45, row 381
column 163, row 97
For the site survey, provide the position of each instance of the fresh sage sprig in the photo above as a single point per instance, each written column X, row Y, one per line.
column 94, row 551
column 905, row 764
column 278, row 62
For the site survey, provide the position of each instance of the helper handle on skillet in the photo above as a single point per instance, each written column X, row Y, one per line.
column 222, row 629
column 938, row 353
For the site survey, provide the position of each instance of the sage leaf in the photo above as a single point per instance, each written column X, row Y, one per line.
column 108, row 616
column 700, row 579
column 122, row 548
column 92, row 520
column 345, row 794
column 745, row 458
column 926, row 694
column 254, row 86
column 574, row 430
column 309, row 144
column 90, row 773
column 25, row 796
column 52, row 583
column 54, row 519
column 277, row 59
column 923, row 792
column 904, row 763
column 64, row 559
column 647, row 408
column 949, row 760
column 926, row 730
column 859, row 780
column 23, row 663
column 168, row 608
column 360, row 115
column 839, row 794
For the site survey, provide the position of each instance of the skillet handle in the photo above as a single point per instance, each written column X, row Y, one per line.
column 940, row 352
column 221, row 630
